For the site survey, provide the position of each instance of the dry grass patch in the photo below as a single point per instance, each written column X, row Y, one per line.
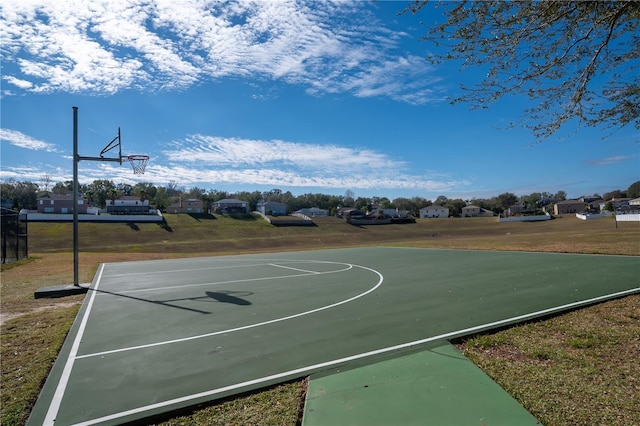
column 30, row 345
column 280, row 405
column 577, row 368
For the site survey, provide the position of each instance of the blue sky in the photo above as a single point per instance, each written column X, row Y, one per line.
column 302, row 96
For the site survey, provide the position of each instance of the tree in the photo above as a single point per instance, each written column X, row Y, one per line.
column 441, row 200
column 23, row 194
column 161, row 199
column 634, row 190
column 349, row 197
column 113, row 194
column 273, row 195
column 454, row 206
column 146, row 189
column 403, row 203
column 124, row 188
column 98, row 191
column 173, row 189
column 573, row 59
column 61, row 188
column 362, row 203
column 253, row 198
column 560, row 196
column 616, row 193
column 507, row 200
column 196, row 193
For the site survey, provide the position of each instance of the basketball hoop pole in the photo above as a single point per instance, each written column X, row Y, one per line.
column 75, row 196
column 115, row 142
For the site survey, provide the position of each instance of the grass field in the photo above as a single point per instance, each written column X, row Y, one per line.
column 541, row 364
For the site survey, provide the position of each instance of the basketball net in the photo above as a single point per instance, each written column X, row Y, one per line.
column 138, row 163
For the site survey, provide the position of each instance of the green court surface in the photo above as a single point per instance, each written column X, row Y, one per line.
column 157, row 336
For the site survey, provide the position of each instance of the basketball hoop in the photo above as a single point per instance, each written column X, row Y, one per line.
column 138, row 162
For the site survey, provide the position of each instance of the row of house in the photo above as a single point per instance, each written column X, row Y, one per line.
column 593, row 204
column 134, row 205
column 54, row 203
column 63, row 204
column 435, row 212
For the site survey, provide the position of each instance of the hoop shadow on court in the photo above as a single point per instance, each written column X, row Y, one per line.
column 230, row 297
column 224, row 296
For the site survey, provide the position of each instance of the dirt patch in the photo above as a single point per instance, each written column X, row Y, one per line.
column 4, row 317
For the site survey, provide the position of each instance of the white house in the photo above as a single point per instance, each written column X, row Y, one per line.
column 127, row 205
column 475, row 211
column 272, row 208
column 434, row 211
column 390, row 213
column 313, row 212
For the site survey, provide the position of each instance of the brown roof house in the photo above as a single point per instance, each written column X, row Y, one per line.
column 54, row 203
column 569, row 206
column 190, row 205
column 230, row 205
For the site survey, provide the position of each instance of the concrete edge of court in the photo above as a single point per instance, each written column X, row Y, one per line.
column 438, row 385
column 62, row 290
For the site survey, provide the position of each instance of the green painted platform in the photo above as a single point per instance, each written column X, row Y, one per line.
column 437, row 386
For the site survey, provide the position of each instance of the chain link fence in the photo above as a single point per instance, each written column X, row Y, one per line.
column 14, row 235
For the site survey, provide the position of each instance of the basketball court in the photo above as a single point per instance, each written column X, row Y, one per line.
column 156, row 336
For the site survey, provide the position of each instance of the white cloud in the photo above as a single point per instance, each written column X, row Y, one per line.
column 243, row 178
column 613, row 160
column 21, row 140
column 106, row 46
column 235, row 152
column 212, row 160
column 21, row 84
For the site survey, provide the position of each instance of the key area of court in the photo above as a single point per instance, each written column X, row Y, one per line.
column 156, row 336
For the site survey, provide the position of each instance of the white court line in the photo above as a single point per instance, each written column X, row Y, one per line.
column 294, row 269
column 306, row 274
column 310, row 368
column 52, row 413
column 245, row 327
column 128, row 274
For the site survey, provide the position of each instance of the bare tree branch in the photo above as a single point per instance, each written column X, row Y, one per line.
column 575, row 60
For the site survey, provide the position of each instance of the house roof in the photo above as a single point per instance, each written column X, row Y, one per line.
column 60, row 197
column 230, row 201
column 434, row 207
column 570, row 202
